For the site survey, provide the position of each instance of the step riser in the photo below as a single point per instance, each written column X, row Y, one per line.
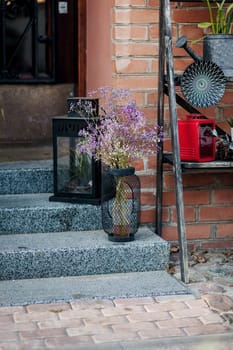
column 73, row 263
column 102, row 257
column 76, row 218
column 40, row 238
column 19, row 181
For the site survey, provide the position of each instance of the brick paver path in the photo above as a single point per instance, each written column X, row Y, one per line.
column 52, row 326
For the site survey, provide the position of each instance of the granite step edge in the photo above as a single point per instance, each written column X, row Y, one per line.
column 84, row 239
column 27, row 164
column 34, row 213
column 26, row 180
column 37, row 200
column 80, row 253
column 67, row 289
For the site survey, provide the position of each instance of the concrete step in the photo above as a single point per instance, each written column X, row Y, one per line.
column 26, row 177
column 57, row 254
column 32, row 213
column 66, row 289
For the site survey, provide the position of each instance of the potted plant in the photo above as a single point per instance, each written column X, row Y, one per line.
column 120, row 136
column 218, row 40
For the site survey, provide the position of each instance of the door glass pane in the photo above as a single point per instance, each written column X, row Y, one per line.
column 18, row 38
column 27, row 49
column 44, row 39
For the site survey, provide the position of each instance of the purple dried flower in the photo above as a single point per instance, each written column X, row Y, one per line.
column 122, row 134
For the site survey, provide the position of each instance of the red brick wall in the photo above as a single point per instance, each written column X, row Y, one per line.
column 208, row 197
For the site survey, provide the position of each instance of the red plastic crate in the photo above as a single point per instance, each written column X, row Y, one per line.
column 197, row 142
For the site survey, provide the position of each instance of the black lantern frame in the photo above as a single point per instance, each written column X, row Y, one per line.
column 77, row 176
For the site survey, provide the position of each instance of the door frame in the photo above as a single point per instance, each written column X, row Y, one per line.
column 81, row 47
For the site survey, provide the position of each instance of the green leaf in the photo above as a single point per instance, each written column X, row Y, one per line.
column 204, row 25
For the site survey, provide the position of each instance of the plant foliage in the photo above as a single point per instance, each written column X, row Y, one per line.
column 220, row 17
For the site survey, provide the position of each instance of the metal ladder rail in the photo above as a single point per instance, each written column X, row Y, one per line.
column 166, row 57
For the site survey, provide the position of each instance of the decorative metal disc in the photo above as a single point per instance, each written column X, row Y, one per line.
column 203, row 83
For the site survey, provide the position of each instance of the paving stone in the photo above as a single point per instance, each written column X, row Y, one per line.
column 55, row 308
column 169, row 306
column 196, row 276
column 148, row 316
column 172, row 298
column 35, row 344
column 42, row 333
column 206, row 288
column 133, row 301
column 135, row 327
column 65, row 342
column 105, row 321
column 9, row 310
column 34, row 316
column 18, row 327
column 95, row 304
column 228, row 316
column 179, row 323
column 160, row 333
column 60, row 323
column 208, row 329
column 78, row 314
column 123, row 310
column 115, row 337
column 210, row 318
column 88, row 330
column 9, row 336
column 196, row 303
column 219, row 303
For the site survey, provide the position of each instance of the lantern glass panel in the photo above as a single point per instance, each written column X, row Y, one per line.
column 74, row 169
column 77, row 176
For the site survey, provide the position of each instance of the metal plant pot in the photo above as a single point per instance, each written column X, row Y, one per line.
column 120, row 204
column 218, row 48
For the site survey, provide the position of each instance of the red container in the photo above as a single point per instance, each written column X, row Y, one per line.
column 197, row 142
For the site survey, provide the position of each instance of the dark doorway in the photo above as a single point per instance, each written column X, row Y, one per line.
column 38, row 41
column 41, row 67
column 27, row 41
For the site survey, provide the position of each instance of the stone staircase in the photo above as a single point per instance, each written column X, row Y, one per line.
column 43, row 239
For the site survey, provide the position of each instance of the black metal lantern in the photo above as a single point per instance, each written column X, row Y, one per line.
column 77, row 176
